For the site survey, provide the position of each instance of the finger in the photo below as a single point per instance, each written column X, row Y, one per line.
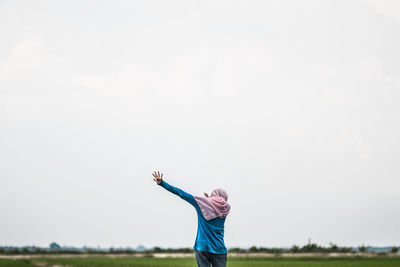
column 161, row 175
column 154, row 180
column 158, row 174
column 153, row 175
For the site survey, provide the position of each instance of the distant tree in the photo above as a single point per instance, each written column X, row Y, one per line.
column 362, row 248
column 157, row 249
column 394, row 249
column 14, row 251
column 253, row 249
column 311, row 247
column 333, row 247
column 295, row 249
column 263, row 249
column 39, row 250
column 235, row 250
column 275, row 250
column 55, row 246
column 345, row 249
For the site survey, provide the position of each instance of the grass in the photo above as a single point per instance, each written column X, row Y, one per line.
column 16, row 263
column 232, row 262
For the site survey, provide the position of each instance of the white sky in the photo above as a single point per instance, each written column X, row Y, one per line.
column 291, row 106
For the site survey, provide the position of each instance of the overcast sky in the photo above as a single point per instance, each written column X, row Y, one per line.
column 292, row 106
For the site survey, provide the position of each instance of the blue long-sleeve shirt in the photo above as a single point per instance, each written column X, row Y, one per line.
column 210, row 234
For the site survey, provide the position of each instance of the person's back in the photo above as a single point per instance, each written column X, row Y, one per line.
column 210, row 234
column 211, row 214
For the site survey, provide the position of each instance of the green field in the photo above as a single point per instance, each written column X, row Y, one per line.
column 188, row 262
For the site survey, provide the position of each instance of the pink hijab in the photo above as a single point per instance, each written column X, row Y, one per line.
column 214, row 206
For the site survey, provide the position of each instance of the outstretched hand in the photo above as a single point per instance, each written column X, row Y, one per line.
column 157, row 177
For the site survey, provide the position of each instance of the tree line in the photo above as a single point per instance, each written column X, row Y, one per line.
column 54, row 248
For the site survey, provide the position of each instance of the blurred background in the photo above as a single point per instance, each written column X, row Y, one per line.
column 291, row 106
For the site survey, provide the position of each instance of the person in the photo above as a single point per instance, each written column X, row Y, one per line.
column 211, row 211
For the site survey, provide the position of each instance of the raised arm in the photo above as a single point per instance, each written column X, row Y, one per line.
column 158, row 178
